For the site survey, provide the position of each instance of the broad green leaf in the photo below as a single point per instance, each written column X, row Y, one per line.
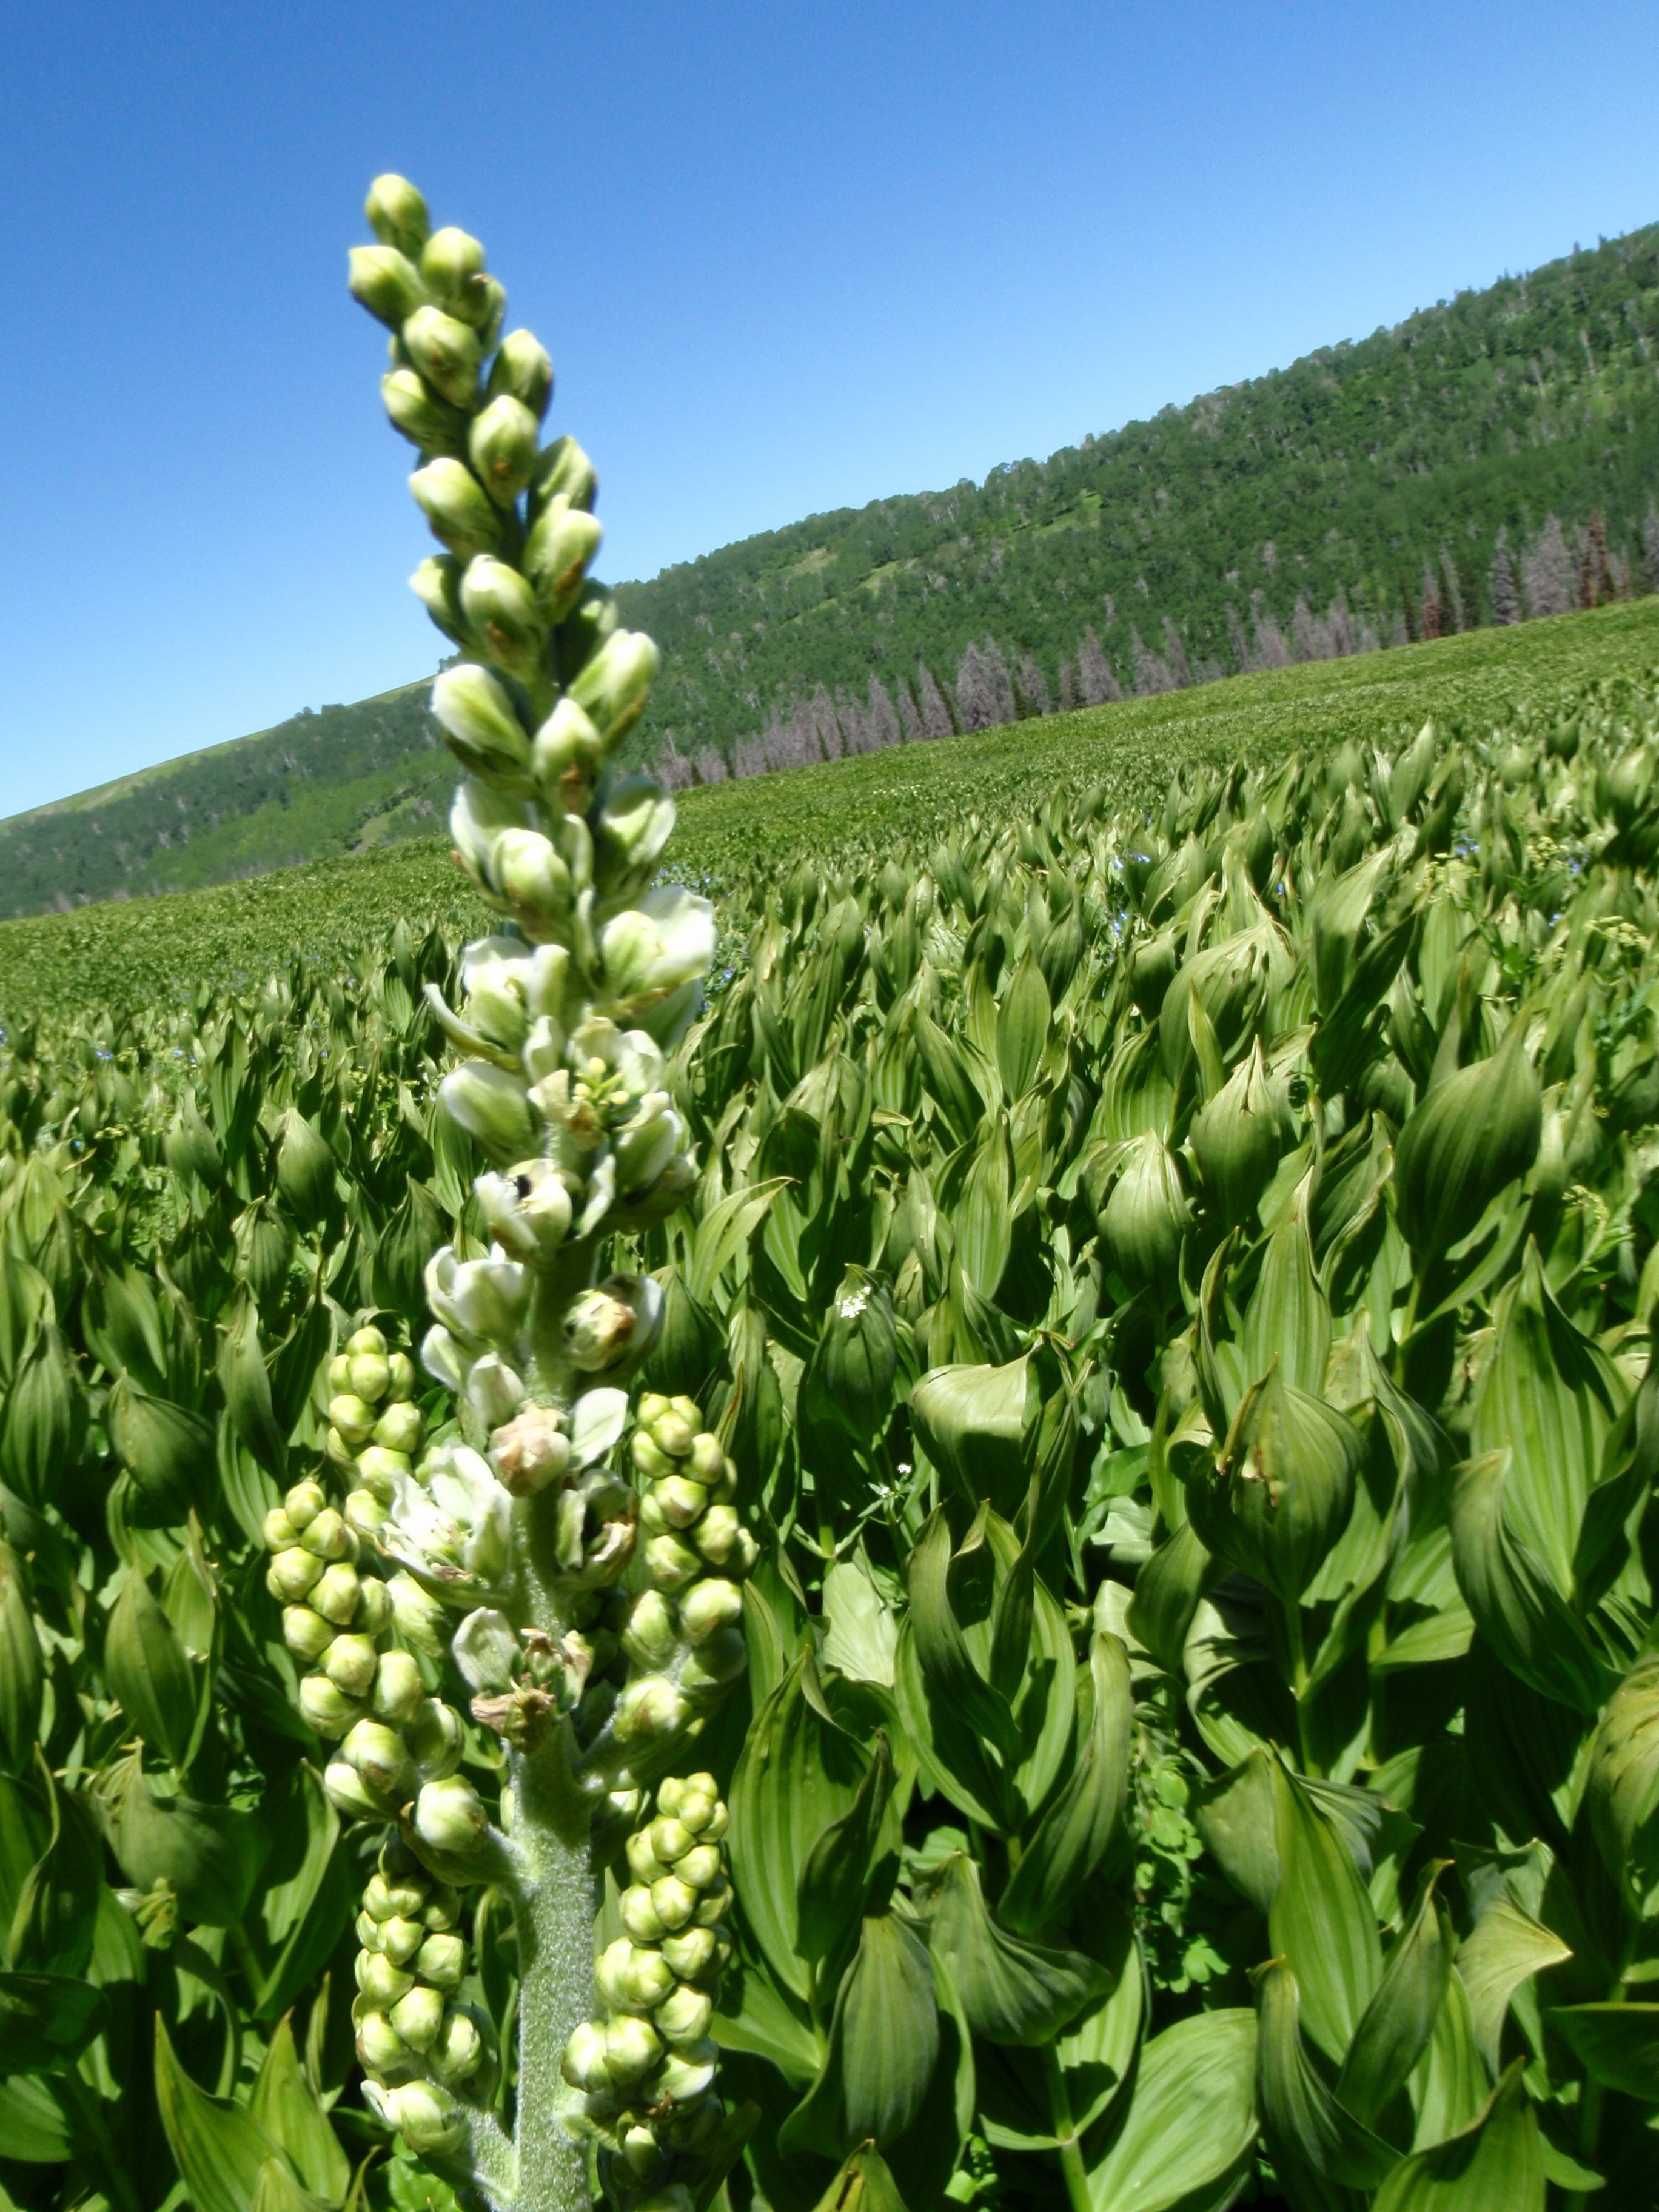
column 1621, row 1791
column 1288, row 1319
column 1237, row 1817
column 247, row 1387
column 1306, row 2123
column 34, row 2127
column 834, row 1884
column 1087, row 1817
column 723, row 1232
column 1396, row 2025
column 287, row 2107
column 1022, row 1027
column 57, row 1909
column 864, row 2185
column 1322, row 1921
column 1506, row 1949
column 1189, row 2125
column 799, row 1773
column 1495, row 2164
column 883, row 2042
column 211, row 1855
column 167, row 1448
column 1617, row 2045
column 277, row 2190
column 23, row 1676
column 46, row 2020
column 1452, row 2080
column 145, row 1661
column 218, row 2147
column 1012, row 1991
column 863, row 1633
column 1517, row 1608
column 756, row 2017
column 971, row 1421
column 1168, row 1590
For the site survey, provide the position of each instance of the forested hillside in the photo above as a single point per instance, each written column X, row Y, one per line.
column 1493, row 457
column 1361, row 497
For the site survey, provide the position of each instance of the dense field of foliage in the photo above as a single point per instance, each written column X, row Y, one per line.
column 138, row 953
column 1010, row 1559
column 1177, row 1294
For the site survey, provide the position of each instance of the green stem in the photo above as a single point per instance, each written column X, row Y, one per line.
column 1068, row 2150
column 1408, row 1326
column 1299, row 1683
column 554, row 1913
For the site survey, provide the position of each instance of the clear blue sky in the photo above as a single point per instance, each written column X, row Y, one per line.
column 785, row 258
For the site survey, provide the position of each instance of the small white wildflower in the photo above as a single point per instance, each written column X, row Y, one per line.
column 849, row 1309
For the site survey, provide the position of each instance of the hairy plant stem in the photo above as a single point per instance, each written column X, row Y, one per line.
column 1299, row 1682
column 1068, row 2150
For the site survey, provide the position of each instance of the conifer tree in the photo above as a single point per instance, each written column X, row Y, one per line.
column 1547, row 571
column 1094, row 674
column 936, row 720
column 1506, row 596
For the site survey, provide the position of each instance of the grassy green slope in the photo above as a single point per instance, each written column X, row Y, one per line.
column 115, row 956
column 1345, row 473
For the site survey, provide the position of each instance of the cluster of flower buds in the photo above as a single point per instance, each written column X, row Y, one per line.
column 683, row 1635
column 647, row 2071
column 375, row 1428
column 420, row 2047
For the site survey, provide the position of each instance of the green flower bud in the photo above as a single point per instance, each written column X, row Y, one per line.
column 430, row 2122
column 713, row 1605
column 400, row 1940
column 643, row 2153
column 613, row 686
column 304, row 1502
column 365, row 1514
column 651, row 950
column 335, row 1593
column 373, row 1614
column 671, row 1433
column 639, row 1916
column 691, row 1954
column 670, row 1564
column 400, row 1428
column 700, row 1866
column 668, row 1839
column 452, row 267
column 433, row 1733
column 714, row 1904
column 652, row 1637
column 400, row 1386
column 481, row 722
column 292, row 1575
column 380, row 1981
column 719, row 1659
column 530, row 1451
column 617, row 1320
column 566, row 757
column 370, row 1373
column 418, row 2016
column 584, row 2065
column 377, row 1897
column 379, row 2047
column 564, row 470
column 491, row 1106
column 651, row 1462
column 327, row 1536
column 339, row 1374
column 683, row 2019
column 397, row 214
column 443, row 1909
column 648, row 1711
column 419, row 1619
column 349, row 1664
column 457, row 510
column 352, row 1417
column 419, row 415
column 686, row 2074
column 708, row 1463
column 696, row 1807
column 386, row 282
column 522, row 370
column 674, row 1900
column 378, row 1753
column 437, row 585
column 642, row 1861
column 558, row 552
column 280, row 1533
column 680, row 1500
column 632, row 2048
column 501, row 608
column 441, row 1961
column 377, row 1470
column 501, row 444
column 646, row 1980
column 457, row 2051
column 398, row 1693
column 725, row 1542
column 348, row 1794
column 367, row 1340
column 450, row 1817
column 446, row 352
column 306, row 1633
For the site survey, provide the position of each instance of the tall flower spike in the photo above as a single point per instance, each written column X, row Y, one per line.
column 520, row 1516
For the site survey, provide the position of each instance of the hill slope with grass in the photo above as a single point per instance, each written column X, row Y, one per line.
column 1361, row 497
column 116, row 957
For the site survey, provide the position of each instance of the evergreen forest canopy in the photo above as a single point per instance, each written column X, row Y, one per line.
column 1490, row 458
